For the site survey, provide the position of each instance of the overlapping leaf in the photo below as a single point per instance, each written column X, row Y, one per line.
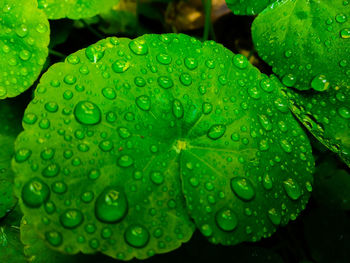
column 248, row 7
column 10, row 126
column 75, row 9
column 306, row 42
column 24, row 37
column 126, row 139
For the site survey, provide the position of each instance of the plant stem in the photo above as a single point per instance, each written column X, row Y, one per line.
column 91, row 29
column 207, row 23
column 56, row 53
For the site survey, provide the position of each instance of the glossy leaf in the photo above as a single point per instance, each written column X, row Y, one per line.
column 75, row 9
column 24, row 37
column 326, row 115
column 9, row 128
column 248, row 7
column 134, row 130
column 306, row 42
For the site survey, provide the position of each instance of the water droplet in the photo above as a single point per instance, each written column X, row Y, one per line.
column 120, row 66
column 111, row 205
column 143, row 102
column 320, row 83
column 207, row 108
column 240, row 61
column 292, row 189
column 186, row 79
column 243, row 188
column 265, row 122
column 71, row 218
column 22, row 155
column 226, row 219
column 95, row 53
column 191, row 63
column 136, row 236
column 25, row 55
column 285, row 145
column 206, row 230
column 138, row 46
column 164, row 59
column 178, row 109
column 124, row 133
column 157, row 177
column 87, row 113
column 51, row 170
column 267, row 182
column 125, row 161
column 345, row 33
column 216, row 131
column 267, row 85
column 165, row 82
column 109, row 93
column 344, row 112
column 274, row 216
column 35, row 192
column 341, row 18
column 106, row 145
column 54, row 238
column 289, row 80
column 41, row 28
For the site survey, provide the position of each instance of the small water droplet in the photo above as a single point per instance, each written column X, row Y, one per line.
column 292, row 189
column 143, row 102
column 178, row 109
column 125, row 161
column 320, row 83
column 120, row 66
column 95, row 53
column 54, row 238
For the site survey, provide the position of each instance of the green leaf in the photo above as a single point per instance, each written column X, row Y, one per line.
column 326, row 115
column 11, row 248
column 75, row 9
column 248, row 7
column 332, row 185
column 9, row 128
column 24, row 37
column 122, row 134
column 306, row 42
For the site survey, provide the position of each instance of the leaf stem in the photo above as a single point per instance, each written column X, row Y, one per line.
column 91, row 29
column 56, row 53
column 207, row 23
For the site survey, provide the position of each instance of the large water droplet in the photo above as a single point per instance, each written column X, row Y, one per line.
column 243, row 188
column 35, row 192
column 95, row 53
column 120, row 66
column 111, row 205
column 136, row 236
column 274, row 216
column 165, row 82
column 87, row 113
column 216, row 131
column 320, row 83
column 292, row 189
column 143, row 102
column 54, row 238
column 138, row 46
column 226, row 219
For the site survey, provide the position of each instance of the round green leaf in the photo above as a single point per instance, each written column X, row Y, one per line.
column 122, row 134
column 10, row 126
column 332, row 185
column 248, row 7
column 306, row 42
column 24, row 37
column 327, row 116
column 75, row 9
